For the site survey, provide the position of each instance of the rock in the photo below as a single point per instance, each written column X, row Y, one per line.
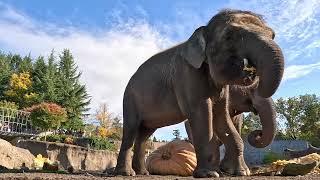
column 294, row 169
column 50, row 167
column 13, row 157
column 71, row 156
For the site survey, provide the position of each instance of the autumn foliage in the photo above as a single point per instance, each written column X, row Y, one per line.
column 47, row 115
column 20, row 89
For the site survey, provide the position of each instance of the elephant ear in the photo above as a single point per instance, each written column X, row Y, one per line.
column 193, row 50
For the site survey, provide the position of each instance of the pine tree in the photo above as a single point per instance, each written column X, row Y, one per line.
column 72, row 95
column 5, row 73
column 51, row 80
column 38, row 75
column 25, row 65
column 45, row 79
column 176, row 134
column 14, row 61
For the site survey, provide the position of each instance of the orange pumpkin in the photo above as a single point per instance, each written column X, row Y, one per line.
column 175, row 158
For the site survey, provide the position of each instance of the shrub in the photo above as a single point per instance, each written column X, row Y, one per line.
column 103, row 132
column 271, row 157
column 100, row 143
column 68, row 140
column 47, row 115
column 116, row 134
column 59, row 138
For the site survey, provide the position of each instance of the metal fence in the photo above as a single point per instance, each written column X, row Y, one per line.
column 15, row 122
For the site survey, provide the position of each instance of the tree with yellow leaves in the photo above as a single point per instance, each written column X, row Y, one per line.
column 20, row 90
column 104, row 116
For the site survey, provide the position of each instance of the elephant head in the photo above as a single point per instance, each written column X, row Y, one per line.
column 238, row 46
column 247, row 99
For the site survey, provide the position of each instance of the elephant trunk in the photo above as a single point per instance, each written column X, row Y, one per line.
column 267, row 56
column 266, row 110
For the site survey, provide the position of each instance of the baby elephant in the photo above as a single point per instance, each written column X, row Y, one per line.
column 245, row 99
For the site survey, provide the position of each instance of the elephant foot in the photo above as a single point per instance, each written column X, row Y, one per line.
column 238, row 167
column 123, row 171
column 204, row 173
column 142, row 171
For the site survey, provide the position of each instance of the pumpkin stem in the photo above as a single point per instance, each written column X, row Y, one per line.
column 166, row 155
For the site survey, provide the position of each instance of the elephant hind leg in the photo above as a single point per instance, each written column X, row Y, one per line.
column 138, row 162
column 131, row 123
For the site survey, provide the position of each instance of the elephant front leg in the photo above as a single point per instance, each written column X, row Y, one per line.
column 233, row 161
column 201, row 126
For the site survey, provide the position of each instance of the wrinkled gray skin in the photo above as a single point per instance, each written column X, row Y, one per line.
column 245, row 99
column 191, row 80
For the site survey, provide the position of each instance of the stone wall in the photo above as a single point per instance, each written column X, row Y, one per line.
column 79, row 158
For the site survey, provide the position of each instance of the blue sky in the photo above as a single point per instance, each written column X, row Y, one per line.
column 110, row 39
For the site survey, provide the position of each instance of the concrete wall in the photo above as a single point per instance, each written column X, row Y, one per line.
column 254, row 156
column 77, row 157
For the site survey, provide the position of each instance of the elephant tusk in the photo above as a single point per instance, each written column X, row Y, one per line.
column 245, row 62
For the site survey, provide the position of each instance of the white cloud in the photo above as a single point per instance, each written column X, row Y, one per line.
column 107, row 60
column 297, row 71
column 294, row 21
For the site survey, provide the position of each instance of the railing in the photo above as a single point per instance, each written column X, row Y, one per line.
column 15, row 123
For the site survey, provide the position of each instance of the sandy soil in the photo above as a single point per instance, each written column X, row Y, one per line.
column 51, row 176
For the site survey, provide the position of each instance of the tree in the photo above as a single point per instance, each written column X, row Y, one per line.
column 51, row 79
column 25, row 65
column 20, row 90
column 251, row 122
column 154, row 139
column 5, row 74
column 38, row 75
column 104, row 116
column 301, row 116
column 72, row 95
column 289, row 111
column 176, row 134
column 47, row 116
column 15, row 61
column 45, row 77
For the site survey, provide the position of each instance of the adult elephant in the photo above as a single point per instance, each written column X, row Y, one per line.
column 245, row 99
column 189, row 80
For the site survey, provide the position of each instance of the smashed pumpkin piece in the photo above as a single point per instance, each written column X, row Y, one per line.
column 297, row 166
column 39, row 161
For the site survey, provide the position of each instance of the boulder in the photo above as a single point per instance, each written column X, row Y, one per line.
column 71, row 156
column 12, row 157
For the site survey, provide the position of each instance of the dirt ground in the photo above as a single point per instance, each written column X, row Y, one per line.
column 51, row 176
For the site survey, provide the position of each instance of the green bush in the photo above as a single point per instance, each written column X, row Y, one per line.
column 271, row 157
column 100, row 143
column 59, row 138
